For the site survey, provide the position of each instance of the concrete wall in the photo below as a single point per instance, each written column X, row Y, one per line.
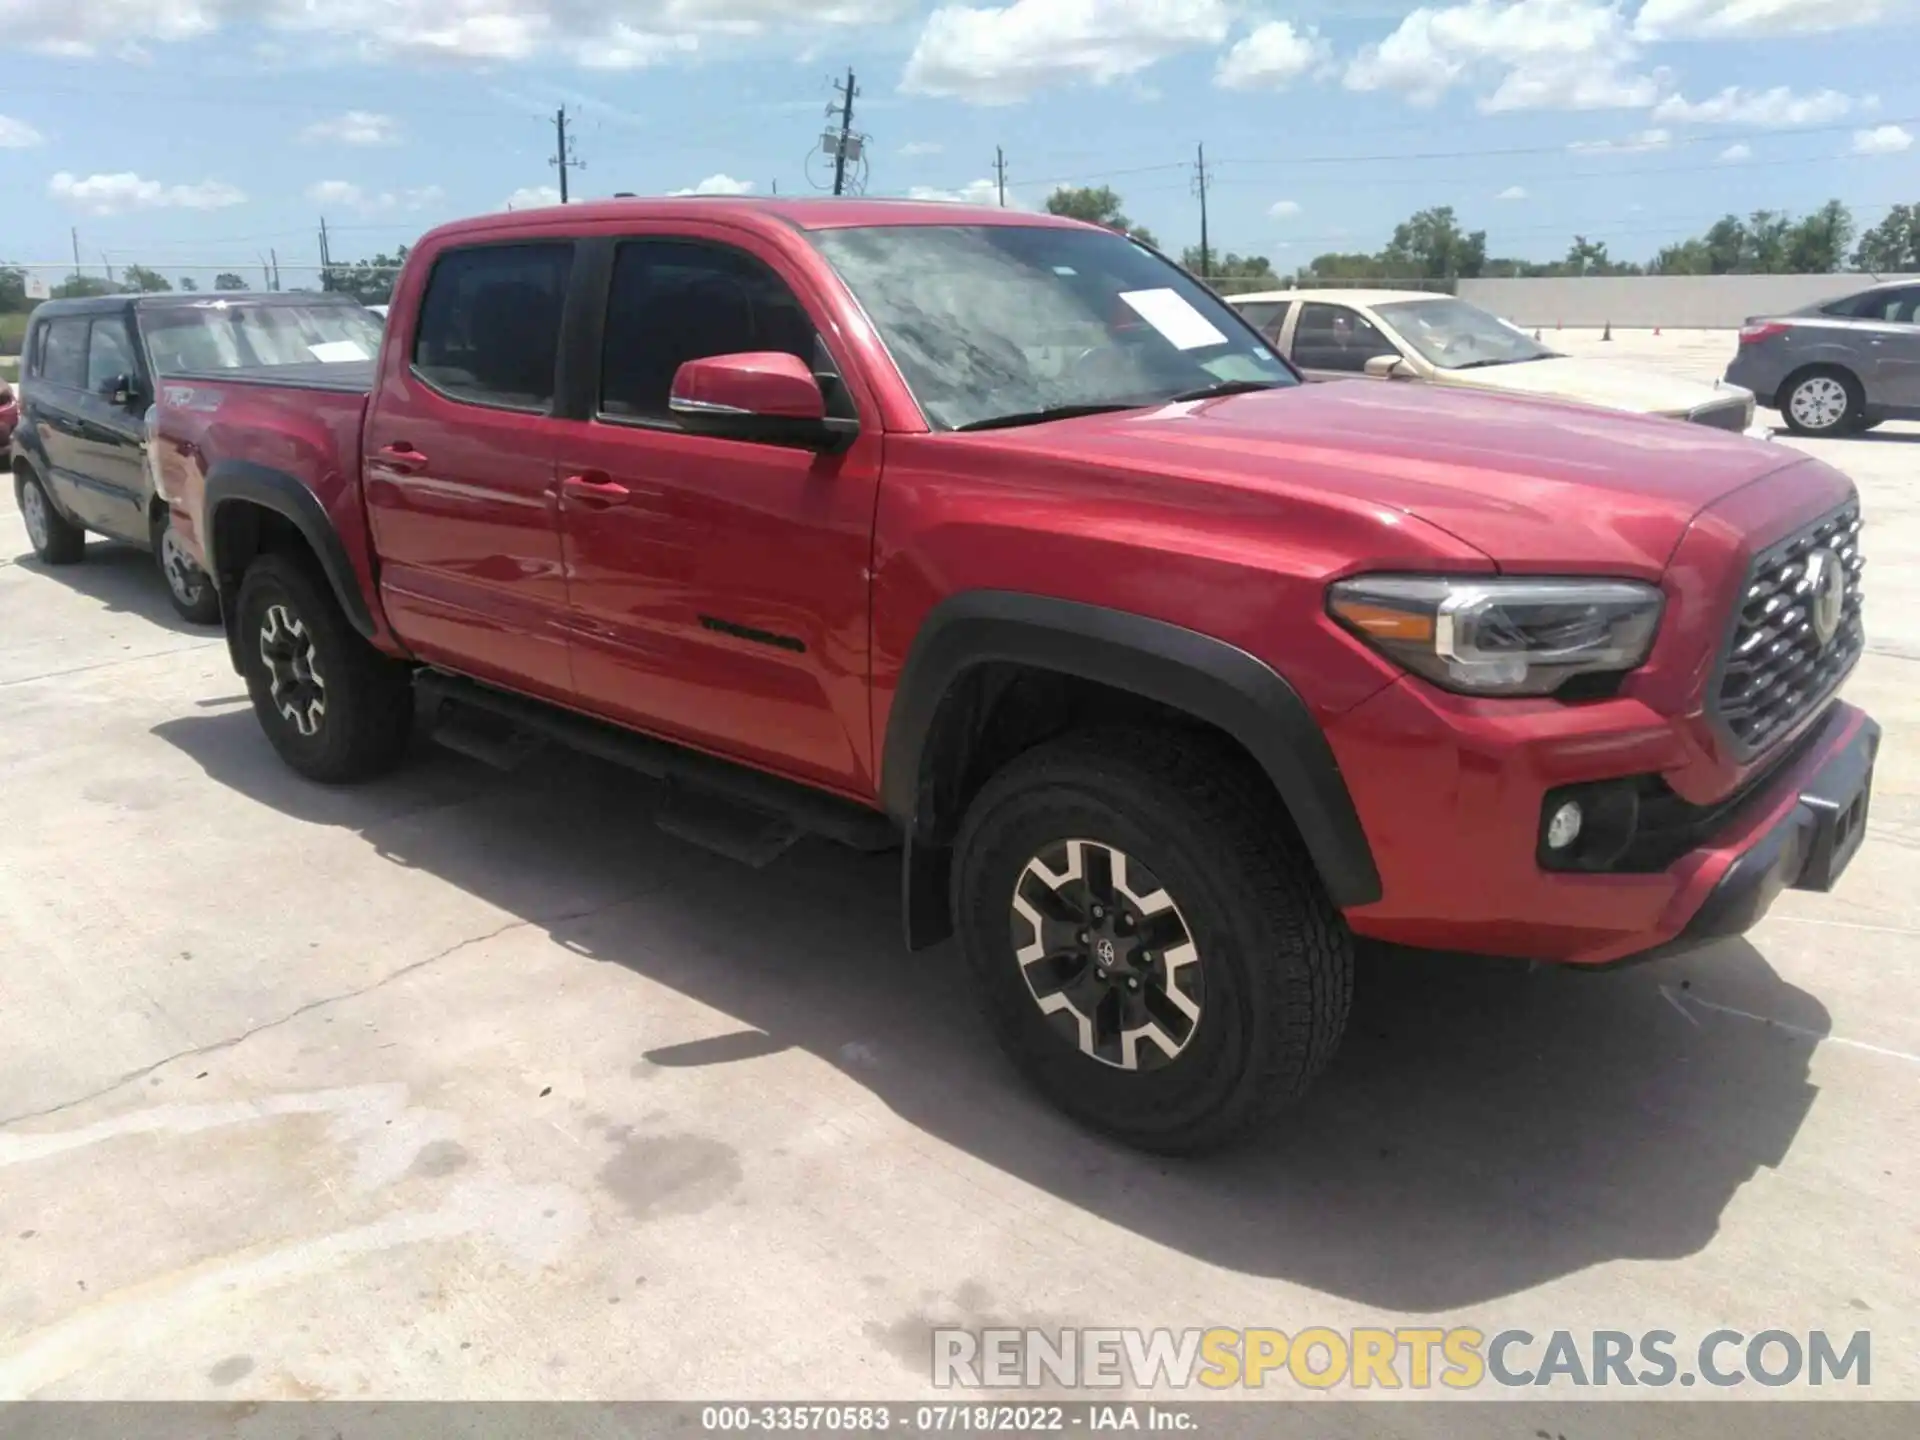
column 1640, row 302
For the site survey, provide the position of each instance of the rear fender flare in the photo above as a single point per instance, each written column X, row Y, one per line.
column 234, row 482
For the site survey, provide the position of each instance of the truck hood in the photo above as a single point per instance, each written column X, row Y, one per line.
column 1590, row 382
column 1534, row 485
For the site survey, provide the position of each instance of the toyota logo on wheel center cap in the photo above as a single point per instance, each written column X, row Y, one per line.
column 1104, row 952
column 1827, row 580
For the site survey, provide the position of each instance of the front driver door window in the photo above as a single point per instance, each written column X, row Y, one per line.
column 1337, row 341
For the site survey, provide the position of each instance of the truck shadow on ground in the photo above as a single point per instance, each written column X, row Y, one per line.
column 125, row 580
column 1484, row 1131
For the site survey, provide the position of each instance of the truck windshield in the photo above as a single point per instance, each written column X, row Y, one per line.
column 237, row 335
column 1005, row 324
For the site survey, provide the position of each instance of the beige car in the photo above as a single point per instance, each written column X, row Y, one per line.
column 1442, row 340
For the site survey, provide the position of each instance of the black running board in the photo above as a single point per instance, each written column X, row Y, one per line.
column 805, row 810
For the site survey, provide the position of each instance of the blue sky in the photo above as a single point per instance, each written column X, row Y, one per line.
column 195, row 134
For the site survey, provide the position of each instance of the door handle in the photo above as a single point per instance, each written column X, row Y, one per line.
column 594, row 490
column 402, row 457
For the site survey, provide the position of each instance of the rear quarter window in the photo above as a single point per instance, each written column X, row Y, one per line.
column 489, row 330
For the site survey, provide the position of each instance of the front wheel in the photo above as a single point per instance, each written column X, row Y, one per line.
column 1823, row 402
column 335, row 708
column 1153, row 946
column 188, row 586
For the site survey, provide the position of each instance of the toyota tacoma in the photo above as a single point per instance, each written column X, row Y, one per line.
column 998, row 539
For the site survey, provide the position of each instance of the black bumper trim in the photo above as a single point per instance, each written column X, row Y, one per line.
column 1806, row 850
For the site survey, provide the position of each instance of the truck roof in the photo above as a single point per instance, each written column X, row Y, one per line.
column 186, row 299
column 808, row 213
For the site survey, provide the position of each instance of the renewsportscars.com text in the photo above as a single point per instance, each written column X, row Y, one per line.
column 1408, row 1358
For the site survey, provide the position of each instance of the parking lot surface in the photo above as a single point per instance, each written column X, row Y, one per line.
column 465, row 1084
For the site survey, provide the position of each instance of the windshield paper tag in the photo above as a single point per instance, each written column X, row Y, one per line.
column 1173, row 316
column 334, row 352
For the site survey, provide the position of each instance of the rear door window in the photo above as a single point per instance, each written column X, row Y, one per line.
column 63, row 353
column 1332, row 337
column 1265, row 316
column 489, row 330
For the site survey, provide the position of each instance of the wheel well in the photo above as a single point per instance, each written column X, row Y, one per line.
column 244, row 531
column 1823, row 367
column 997, row 711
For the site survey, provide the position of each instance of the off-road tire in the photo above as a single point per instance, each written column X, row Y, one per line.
column 1804, row 417
column 366, row 718
column 55, row 539
column 1277, row 956
column 198, row 604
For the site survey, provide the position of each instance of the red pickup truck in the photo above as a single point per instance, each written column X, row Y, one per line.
column 999, row 539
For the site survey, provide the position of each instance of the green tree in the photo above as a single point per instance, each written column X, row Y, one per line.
column 227, row 280
column 1431, row 245
column 142, row 281
column 1727, row 245
column 368, row 281
column 1097, row 205
column 1766, row 251
column 13, row 290
column 77, row 286
column 1893, row 245
column 1228, row 266
column 187, row 282
column 1817, row 245
column 1689, row 257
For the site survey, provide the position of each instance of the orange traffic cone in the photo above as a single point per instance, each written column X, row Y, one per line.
column 1656, row 329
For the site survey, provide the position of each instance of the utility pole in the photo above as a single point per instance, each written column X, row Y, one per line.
column 1000, row 173
column 326, row 258
column 76, row 252
column 846, row 132
column 1200, row 181
column 563, row 159
column 266, row 274
column 106, row 265
column 275, row 255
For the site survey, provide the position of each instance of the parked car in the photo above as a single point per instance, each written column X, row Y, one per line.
column 1443, row 340
column 88, row 379
column 9, row 412
column 1840, row 366
column 998, row 538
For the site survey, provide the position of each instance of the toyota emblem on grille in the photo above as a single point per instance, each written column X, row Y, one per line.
column 1827, row 600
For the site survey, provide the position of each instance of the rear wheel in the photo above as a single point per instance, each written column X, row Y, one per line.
column 188, row 586
column 1153, row 947
column 1822, row 401
column 335, row 708
column 55, row 539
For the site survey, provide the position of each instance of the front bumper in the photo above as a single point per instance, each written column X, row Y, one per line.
column 1450, row 794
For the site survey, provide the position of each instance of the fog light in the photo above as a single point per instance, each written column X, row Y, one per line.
column 1564, row 828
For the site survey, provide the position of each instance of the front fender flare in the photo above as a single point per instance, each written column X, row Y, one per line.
column 1208, row 679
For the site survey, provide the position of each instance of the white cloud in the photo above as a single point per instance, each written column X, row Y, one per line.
column 1884, row 140
column 356, row 127
column 115, row 194
column 18, row 135
column 974, row 192
column 1638, row 143
column 1512, row 192
column 613, row 34
column 717, row 185
column 345, row 195
column 1725, row 19
column 1733, row 154
column 1002, row 55
column 532, row 197
column 922, row 147
column 1537, row 54
column 1270, row 57
column 1777, row 108
column 1284, row 209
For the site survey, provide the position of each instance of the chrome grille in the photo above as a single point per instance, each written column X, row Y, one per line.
column 1777, row 669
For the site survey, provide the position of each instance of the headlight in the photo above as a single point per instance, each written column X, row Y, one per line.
column 1483, row 636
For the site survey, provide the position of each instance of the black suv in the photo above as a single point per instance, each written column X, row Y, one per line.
column 87, row 379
